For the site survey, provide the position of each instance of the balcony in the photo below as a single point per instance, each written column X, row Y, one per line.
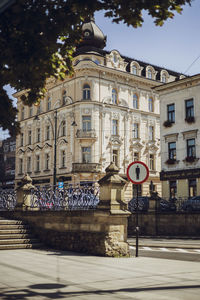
column 89, row 134
column 85, row 167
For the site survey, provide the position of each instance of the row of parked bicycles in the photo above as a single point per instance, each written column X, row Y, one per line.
column 166, row 205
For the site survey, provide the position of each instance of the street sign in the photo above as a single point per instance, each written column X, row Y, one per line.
column 137, row 172
column 60, row 184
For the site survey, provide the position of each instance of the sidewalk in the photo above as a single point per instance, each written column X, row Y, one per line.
column 41, row 274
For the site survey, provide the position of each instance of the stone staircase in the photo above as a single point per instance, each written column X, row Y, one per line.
column 15, row 234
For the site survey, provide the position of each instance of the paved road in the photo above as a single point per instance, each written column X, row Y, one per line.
column 35, row 275
column 176, row 249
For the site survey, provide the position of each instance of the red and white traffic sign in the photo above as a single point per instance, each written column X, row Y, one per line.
column 137, row 172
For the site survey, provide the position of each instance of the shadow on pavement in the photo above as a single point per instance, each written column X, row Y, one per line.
column 27, row 293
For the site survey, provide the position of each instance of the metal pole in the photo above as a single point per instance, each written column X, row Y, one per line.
column 137, row 227
column 55, row 149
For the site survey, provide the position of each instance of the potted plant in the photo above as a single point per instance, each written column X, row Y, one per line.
column 190, row 119
column 171, row 161
column 167, row 123
column 190, row 158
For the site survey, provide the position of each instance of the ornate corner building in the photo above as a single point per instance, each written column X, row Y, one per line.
column 106, row 112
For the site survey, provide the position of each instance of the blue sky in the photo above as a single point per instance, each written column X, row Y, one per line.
column 175, row 45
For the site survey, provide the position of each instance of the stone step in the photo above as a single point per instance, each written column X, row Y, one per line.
column 13, row 226
column 18, row 241
column 14, row 231
column 11, row 222
column 16, row 236
column 21, row 246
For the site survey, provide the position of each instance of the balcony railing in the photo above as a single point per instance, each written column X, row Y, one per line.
column 89, row 134
column 86, row 167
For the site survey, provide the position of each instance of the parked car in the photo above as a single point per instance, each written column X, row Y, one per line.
column 143, row 204
column 167, row 205
column 192, row 204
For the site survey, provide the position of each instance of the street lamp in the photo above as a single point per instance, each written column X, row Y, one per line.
column 55, row 147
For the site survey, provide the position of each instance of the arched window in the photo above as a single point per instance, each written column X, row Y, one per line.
column 64, row 97
column 164, row 78
column 149, row 74
column 150, row 104
column 135, row 101
column 134, row 70
column 86, row 92
column 114, row 96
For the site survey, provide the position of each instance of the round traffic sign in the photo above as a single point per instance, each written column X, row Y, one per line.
column 137, row 172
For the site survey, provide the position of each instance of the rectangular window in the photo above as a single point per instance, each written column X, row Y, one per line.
column 191, row 152
column 136, row 156
column 192, row 187
column 171, row 113
column 172, row 150
column 151, row 162
column 21, row 166
column 38, row 135
column 47, row 132
column 29, row 137
column 49, row 103
column 189, row 108
column 22, row 140
column 86, row 154
column 63, row 159
column 114, row 127
column 151, row 133
column 172, row 189
column 63, row 130
column 150, row 104
column 115, row 157
column 47, row 161
column 22, row 113
column 39, row 110
column 37, row 168
column 86, row 123
column 30, row 111
column 29, row 164
column 135, row 130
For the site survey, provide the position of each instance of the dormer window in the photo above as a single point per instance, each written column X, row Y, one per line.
column 149, row 74
column 164, row 78
column 114, row 96
column 86, row 92
column 134, row 70
column 115, row 58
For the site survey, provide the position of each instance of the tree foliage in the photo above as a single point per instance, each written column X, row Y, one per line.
column 38, row 38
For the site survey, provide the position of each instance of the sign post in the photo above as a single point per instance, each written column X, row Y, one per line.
column 137, row 173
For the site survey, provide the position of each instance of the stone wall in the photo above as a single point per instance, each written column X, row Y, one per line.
column 166, row 224
column 93, row 232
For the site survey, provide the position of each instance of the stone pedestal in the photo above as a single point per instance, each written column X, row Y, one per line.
column 112, row 201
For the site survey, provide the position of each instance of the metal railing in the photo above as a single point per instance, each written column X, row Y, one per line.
column 172, row 205
column 50, row 198
column 66, row 198
column 8, row 199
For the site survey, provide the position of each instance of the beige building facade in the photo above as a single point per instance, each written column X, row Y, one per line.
column 106, row 112
column 180, row 135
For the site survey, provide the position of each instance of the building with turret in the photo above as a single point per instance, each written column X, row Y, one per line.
column 107, row 111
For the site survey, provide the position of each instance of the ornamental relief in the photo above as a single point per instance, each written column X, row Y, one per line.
column 115, row 115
